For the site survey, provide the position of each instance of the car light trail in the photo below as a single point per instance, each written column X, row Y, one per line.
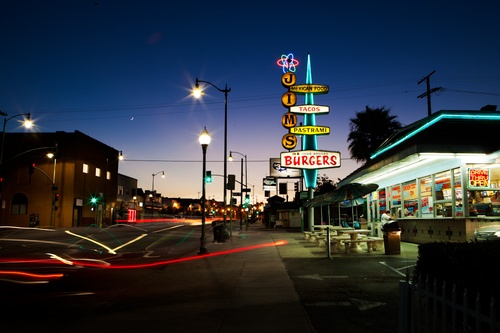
column 197, row 257
column 130, row 242
column 91, row 240
column 56, row 260
column 34, row 278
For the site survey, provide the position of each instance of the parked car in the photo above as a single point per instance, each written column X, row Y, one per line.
column 489, row 232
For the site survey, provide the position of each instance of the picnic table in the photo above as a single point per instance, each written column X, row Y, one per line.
column 354, row 241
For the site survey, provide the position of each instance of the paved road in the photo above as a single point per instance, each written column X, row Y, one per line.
column 244, row 287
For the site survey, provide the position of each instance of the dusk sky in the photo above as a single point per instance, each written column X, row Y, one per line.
column 121, row 71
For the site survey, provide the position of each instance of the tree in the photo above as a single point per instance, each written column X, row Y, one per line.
column 324, row 184
column 368, row 130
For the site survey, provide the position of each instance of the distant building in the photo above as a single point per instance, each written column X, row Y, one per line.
column 128, row 199
column 78, row 186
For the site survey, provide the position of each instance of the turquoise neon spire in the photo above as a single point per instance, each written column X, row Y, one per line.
column 309, row 142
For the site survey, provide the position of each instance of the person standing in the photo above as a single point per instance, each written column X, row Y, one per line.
column 385, row 218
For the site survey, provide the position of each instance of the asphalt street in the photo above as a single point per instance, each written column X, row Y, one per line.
column 267, row 280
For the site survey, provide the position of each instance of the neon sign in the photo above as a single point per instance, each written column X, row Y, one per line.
column 288, row 63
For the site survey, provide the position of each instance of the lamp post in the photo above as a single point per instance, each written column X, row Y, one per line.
column 155, row 174
column 230, row 158
column 204, row 141
column 197, row 92
column 27, row 123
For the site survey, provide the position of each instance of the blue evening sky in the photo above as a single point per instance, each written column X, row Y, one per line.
column 121, row 72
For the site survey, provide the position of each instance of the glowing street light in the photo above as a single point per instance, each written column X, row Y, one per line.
column 155, row 174
column 197, row 93
column 27, row 123
column 204, row 141
column 230, row 158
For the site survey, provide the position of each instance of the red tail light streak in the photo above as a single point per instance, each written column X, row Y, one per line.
column 54, row 260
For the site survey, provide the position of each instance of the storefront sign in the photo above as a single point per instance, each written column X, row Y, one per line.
column 279, row 171
column 310, row 109
column 289, row 141
column 288, row 99
column 309, row 89
column 311, row 159
column 289, row 120
column 269, row 184
column 479, row 177
column 310, row 130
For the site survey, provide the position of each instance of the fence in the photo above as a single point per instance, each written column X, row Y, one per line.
column 428, row 306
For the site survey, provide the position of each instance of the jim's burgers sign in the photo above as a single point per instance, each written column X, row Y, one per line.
column 304, row 159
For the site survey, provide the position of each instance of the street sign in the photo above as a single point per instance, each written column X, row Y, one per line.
column 310, row 159
column 246, row 190
column 236, row 194
column 310, row 109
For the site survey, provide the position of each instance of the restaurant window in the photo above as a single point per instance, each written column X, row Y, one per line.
column 483, row 195
column 457, row 180
column 396, row 201
column 85, row 168
column 410, row 197
column 442, row 194
column 19, row 204
column 426, row 200
column 382, row 203
column 97, row 172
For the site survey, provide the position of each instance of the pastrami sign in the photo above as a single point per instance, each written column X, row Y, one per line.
column 310, row 159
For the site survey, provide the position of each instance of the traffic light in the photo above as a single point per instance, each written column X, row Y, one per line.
column 93, row 201
column 56, row 197
column 231, row 179
column 296, row 186
column 247, row 199
column 208, row 176
column 32, row 168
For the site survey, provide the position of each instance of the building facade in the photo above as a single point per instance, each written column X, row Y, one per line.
column 76, row 187
column 439, row 177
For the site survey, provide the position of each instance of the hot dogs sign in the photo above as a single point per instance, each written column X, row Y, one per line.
column 309, row 157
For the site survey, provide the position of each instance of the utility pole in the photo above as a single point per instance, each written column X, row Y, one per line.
column 429, row 91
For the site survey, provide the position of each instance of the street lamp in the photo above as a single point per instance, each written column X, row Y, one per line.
column 197, row 92
column 155, row 174
column 27, row 123
column 204, row 141
column 230, row 158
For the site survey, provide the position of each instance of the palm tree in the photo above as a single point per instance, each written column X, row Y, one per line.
column 368, row 130
column 324, row 184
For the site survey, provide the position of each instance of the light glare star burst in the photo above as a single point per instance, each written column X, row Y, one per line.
column 288, row 63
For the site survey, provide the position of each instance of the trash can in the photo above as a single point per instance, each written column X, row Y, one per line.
column 217, row 227
column 34, row 220
column 392, row 237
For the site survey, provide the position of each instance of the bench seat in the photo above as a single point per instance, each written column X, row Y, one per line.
column 369, row 244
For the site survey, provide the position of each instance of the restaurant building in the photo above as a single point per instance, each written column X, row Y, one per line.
column 439, row 177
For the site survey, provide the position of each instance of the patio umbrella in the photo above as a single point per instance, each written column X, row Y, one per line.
column 352, row 203
column 350, row 191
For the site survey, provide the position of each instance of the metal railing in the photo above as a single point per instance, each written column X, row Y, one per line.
column 429, row 306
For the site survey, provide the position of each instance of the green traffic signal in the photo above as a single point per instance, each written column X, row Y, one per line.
column 208, row 176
